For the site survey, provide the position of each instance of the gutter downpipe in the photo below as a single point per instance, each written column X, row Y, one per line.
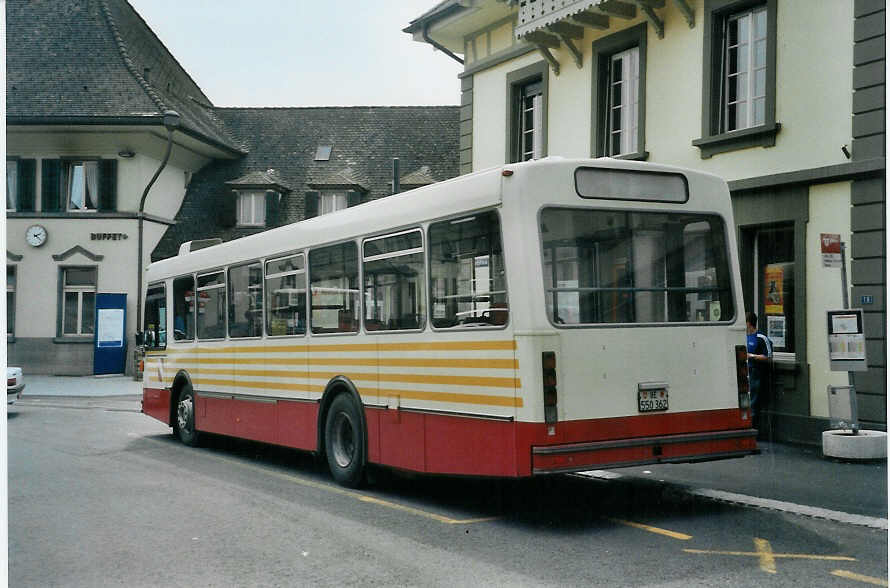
column 428, row 39
column 171, row 122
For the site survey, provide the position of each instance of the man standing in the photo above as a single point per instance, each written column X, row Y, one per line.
column 760, row 350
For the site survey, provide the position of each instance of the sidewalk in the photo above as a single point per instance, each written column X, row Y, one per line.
column 37, row 385
column 783, row 477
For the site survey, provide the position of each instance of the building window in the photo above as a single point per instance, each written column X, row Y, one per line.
column 739, row 76
column 83, row 186
column 744, row 91
column 527, row 112
column 251, row 209
column 12, row 173
column 78, row 301
column 10, row 300
column 619, row 82
column 332, row 201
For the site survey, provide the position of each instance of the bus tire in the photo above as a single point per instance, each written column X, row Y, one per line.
column 344, row 442
column 184, row 417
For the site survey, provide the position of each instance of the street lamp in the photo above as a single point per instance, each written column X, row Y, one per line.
column 171, row 120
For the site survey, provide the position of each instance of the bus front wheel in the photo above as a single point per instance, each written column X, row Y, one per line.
column 344, row 442
column 184, row 419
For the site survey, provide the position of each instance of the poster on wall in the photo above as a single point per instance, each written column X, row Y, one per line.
column 773, row 294
column 110, row 327
column 775, row 330
column 846, row 340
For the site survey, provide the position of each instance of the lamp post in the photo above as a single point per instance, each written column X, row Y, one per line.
column 171, row 121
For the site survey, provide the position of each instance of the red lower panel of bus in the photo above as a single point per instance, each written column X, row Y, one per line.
column 156, row 403
column 451, row 444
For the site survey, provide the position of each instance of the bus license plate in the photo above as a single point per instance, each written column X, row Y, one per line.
column 653, row 399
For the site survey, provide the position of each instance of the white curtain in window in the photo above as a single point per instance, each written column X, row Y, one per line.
column 91, row 171
column 11, row 185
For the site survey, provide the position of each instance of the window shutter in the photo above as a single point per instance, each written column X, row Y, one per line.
column 272, row 207
column 108, row 184
column 227, row 214
column 312, row 198
column 353, row 198
column 27, row 183
column 51, row 185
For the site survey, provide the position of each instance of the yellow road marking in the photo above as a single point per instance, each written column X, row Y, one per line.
column 767, row 560
column 651, row 529
column 858, row 577
column 764, row 553
column 343, row 491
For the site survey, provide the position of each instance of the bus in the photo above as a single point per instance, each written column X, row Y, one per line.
column 557, row 315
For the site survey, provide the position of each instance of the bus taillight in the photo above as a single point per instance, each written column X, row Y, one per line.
column 548, row 372
column 741, row 370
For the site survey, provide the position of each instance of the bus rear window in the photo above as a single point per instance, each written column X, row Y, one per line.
column 619, row 184
column 634, row 267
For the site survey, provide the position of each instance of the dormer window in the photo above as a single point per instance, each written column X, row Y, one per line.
column 323, row 153
column 252, row 209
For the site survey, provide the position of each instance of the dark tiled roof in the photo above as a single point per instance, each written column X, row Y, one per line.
column 364, row 139
column 269, row 179
column 71, row 60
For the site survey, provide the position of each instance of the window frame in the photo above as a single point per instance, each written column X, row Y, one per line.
column 16, row 196
column 429, row 274
column 358, row 294
column 69, row 165
column 230, row 306
column 11, row 269
column 332, row 195
column 163, row 285
column 253, row 195
column 304, row 270
column 80, row 290
column 714, row 141
column 193, row 311
column 516, row 82
column 198, row 289
column 422, row 281
column 604, row 49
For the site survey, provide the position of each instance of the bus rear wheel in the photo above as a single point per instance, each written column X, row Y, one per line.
column 184, row 419
column 345, row 442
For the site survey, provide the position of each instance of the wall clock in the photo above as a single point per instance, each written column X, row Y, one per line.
column 36, row 235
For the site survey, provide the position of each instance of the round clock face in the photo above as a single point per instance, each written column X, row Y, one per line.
column 36, row 235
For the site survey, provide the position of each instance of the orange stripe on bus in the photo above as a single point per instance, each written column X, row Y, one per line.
column 502, row 364
column 474, row 381
column 502, row 344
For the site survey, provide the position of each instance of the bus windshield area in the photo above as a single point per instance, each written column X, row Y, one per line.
column 607, row 267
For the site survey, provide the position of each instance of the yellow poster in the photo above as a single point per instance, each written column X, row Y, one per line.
column 773, row 301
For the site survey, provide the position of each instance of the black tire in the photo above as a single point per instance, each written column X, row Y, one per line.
column 344, row 442
column 184, row 417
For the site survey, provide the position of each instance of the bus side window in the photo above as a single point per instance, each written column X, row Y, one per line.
column 212, row 306
column 333, row 275
column 393, row 288
column 184, row 308
column 468, row 282
column 155, row 320
column 246, row 300
column 286, row 296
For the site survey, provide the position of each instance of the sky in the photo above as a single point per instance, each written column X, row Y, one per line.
column 304, row 52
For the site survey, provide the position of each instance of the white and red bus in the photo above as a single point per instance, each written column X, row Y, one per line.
column 549, row 316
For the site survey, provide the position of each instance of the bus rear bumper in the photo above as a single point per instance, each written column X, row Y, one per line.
column 681, row 448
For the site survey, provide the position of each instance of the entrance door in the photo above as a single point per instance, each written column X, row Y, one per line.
column 110, row 343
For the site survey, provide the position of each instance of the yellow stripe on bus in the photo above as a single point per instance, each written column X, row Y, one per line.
column 456, row 398
column 495, row 345
column 499, row 364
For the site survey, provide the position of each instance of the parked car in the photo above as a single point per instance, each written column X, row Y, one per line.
column 15, row 383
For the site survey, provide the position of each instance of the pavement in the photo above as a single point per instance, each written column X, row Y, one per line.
column 787, row 478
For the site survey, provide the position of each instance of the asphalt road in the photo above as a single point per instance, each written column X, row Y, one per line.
column 102, row 495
